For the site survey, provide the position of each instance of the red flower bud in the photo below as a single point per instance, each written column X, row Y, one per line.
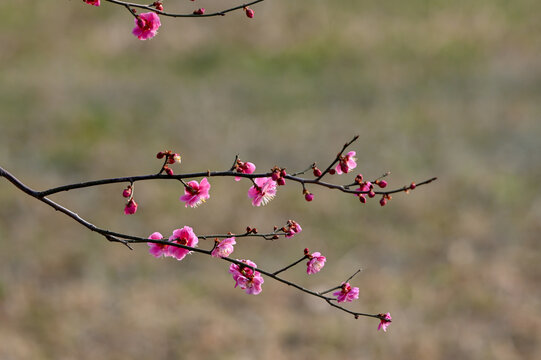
column 332, row 171
column 249, row 12
column 362, row 198
column 381, row 183
column 383, row 201
column 200, row 11
column 317, row 172
column 281, row 181
column 160, row 155
column 127, row 192
column 309, row 196
column 413, row 186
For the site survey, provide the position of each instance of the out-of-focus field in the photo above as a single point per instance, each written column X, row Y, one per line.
column 434, row 88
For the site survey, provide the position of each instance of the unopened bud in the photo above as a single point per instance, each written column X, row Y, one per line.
column 168, row 170
column 381, row 183
column 371, row 194
column 160, row 155
column 362, row 198
column 332, row 171
column 317, row 172
column 127, row 192
column 306, row 251
column 309, row 196
column 200, row 11
column 249, row 12
column 413, row 186
column 281, row 181
column 383, row 201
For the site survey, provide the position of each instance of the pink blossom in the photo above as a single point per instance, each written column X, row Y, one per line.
column 157, row 250
column 293, row 228
column 246, row 278
column 224, row 248
column 347, row 293
column 184, row 236
column 196, row 193
column 316, row 263
column 244, row 168
column 385, row 321
column 93, row 2
column 346, row 163
column 131, row 207
column 263, row 191
column 146, row 25
column 200, row 11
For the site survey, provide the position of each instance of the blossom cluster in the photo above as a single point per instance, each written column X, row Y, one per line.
column 147, row 24
column 184, row 236
column 264, row 188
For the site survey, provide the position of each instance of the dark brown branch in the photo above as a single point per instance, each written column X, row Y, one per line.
column 130, row 5
column 290, row 265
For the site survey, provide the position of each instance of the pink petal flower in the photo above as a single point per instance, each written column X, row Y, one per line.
column 196, row 193
column 130, row 208
column 224, row 248
column 93, row 2
column 386, row 321
column 347, row 293
column 246, row 278
column 346, row 163
column 293, row 228
column 146, row 25
column 184, row 236
column 263, row 191
column 157, row 250
column 245, row 168
column 316, row 263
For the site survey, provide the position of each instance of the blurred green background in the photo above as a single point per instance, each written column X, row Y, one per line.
column 434, row 88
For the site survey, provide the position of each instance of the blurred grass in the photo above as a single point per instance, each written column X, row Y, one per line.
column 434, row 88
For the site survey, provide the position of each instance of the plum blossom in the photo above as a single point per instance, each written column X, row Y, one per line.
column 93, row 2
column 292, row 228
column 346, row 163
column 184, row 236
column 385, row 321
column 130, row 208
column 146, row 25
column 244, row 168
column 196, row 193
column 157, row 250
column 224, row 248
column 263, row 191
column 246, row 278
column 316, row 263
column 347, row 293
